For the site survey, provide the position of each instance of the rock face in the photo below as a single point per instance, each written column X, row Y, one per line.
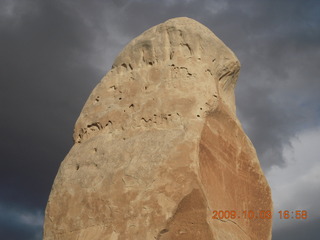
column 158, row 148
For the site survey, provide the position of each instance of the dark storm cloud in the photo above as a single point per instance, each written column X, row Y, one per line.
column 301, row 230
column 54, row 52
column 45, row 79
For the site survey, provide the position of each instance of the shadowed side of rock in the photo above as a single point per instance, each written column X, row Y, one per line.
column 158, row 147
column 232, row 178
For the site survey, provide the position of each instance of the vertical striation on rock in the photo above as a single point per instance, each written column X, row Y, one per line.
column 158, row 148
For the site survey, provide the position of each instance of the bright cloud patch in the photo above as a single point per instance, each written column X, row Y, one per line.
column 296, row 187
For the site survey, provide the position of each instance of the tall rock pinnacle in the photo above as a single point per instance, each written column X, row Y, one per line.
column 159, row 152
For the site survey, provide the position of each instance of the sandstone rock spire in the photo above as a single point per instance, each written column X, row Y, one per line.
column 158, row 148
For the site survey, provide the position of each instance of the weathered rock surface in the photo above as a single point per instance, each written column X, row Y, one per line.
column 158, row 147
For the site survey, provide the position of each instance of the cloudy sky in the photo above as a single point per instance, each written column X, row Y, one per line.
column 53, row 52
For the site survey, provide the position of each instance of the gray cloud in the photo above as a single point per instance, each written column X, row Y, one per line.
column 296, row 187
column 16, row 223
column 303, row 230
column 54, row 52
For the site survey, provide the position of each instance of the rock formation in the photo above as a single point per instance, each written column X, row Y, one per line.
column 158, row 148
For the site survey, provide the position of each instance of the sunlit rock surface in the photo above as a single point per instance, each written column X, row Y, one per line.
column 158, row 148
